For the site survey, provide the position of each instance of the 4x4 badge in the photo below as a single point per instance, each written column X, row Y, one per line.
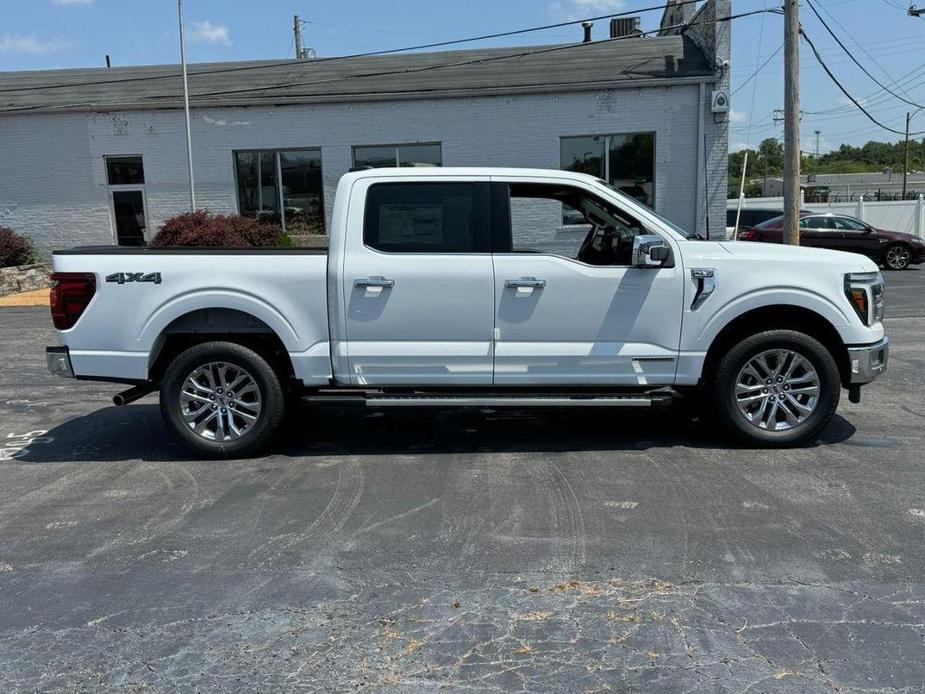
column 123, row 277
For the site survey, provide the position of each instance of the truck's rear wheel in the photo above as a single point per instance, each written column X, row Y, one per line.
column 222, row 399
column 777, row 388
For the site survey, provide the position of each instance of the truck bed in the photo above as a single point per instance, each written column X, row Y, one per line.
column 141, row 293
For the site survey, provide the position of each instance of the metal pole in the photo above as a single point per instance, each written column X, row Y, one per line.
column 906, row 160
column 791, row 122
column 735, row 231
column 189, row 137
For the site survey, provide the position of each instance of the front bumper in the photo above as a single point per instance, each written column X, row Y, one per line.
column 868, row 361
column 58, row 360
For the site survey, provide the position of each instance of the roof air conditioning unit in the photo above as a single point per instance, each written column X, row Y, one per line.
column 621, row 27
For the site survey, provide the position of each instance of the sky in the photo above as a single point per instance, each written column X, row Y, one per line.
column 44, row 34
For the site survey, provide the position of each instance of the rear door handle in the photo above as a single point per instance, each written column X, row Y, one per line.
column 525, row 282
column 374, row 281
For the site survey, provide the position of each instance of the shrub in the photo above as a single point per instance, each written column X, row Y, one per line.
column 15, row 249
column 201, row 228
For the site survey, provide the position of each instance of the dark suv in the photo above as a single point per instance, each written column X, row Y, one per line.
column 892, row 249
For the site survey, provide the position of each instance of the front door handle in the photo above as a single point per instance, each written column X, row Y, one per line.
column 525, row 282
column 374, row 281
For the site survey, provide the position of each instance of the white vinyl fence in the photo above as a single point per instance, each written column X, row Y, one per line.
column 895, row 215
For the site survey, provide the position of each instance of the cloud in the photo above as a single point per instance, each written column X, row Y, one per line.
column 72, row 2
column 579, row 9
column 737, row 116
column 29, row 45
column 207, row 32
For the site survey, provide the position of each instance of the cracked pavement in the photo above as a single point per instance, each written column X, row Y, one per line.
column 474, row 550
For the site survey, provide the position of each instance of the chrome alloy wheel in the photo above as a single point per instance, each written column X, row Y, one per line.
column 220, row 401
column 777, row 390
column 898, row 257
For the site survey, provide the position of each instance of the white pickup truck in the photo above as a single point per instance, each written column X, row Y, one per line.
column 474, row 287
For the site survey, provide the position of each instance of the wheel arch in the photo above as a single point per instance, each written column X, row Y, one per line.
column 223, row 324
column 778, row 317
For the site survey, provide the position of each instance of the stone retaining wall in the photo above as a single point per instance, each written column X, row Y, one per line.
column 24, row 278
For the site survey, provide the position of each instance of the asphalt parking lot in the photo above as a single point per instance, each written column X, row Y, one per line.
column 486, row 551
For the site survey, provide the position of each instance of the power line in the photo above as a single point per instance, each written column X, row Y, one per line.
column 758, row 70
column 846, row 92
column 855, row 60
column 426, row 68
column 368, row 54
column 860, row 45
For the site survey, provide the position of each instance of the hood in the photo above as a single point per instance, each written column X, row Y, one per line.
column 799, row 255
column 898, row 236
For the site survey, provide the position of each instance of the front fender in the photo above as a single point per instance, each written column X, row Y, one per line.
column 702, row 328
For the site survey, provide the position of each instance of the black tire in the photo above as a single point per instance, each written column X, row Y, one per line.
column 272, row 399
column 724, row 388
column 896, row 256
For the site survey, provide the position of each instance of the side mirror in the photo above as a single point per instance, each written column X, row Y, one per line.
column 649, row 250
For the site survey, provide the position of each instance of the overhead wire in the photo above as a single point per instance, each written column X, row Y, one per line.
column 367, row 54
column 406, row 70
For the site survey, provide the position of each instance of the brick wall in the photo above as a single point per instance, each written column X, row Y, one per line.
column 54, row 183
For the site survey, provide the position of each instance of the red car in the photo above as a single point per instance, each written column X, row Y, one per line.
column 892, row 249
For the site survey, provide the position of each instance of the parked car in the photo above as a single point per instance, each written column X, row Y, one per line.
column 750, row 217
column 891, row 249
column 437, row 292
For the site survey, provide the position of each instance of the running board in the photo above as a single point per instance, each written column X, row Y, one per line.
column 426, row 400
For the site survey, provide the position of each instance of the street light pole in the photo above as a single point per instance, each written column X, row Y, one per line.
column 189, row 137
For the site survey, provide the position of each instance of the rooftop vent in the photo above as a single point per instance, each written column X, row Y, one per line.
column 587, row 27
column 621, row 27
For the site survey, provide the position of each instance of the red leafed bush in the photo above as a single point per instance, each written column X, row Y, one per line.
column 15, row 249
column 201, row 228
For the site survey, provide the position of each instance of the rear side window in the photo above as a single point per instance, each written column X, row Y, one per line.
column 427, row 218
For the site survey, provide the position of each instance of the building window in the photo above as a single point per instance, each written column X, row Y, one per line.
column 379, row 156
column 626, row 162
column 125, row 171
column 282, row 186
column 427, row 218
column 128, row 211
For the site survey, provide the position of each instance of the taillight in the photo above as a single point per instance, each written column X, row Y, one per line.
column 70, row 294
column 746, row 234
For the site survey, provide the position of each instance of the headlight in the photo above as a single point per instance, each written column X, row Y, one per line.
column 865, row 293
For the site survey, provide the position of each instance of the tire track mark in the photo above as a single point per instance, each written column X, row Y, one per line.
column 317, row 536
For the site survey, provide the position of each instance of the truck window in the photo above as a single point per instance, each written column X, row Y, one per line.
column 571, row 222
column 427, row 218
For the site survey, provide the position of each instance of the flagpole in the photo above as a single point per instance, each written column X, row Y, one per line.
column 189, row 139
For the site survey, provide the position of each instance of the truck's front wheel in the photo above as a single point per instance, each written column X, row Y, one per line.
column 777, row 388
column 222, row 399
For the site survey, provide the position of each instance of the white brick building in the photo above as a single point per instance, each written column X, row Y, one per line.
column 84, row 149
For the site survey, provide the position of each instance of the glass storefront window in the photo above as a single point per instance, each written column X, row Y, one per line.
column 625, row 161
column 292, row 178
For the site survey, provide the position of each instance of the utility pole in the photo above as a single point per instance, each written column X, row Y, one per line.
column 791, row 229
column 189, row 137
column 297, row 30
column 818, row 132
column 906, row 164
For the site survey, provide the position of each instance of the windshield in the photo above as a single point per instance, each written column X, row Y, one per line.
column 667, row 222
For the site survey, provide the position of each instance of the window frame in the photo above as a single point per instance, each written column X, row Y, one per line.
column 483, row 241
column 396, row 147
column 502, row 227
column 865, row 227
column 107, row 157
column 807, row 219
column 276, row 151
column 605, row 174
